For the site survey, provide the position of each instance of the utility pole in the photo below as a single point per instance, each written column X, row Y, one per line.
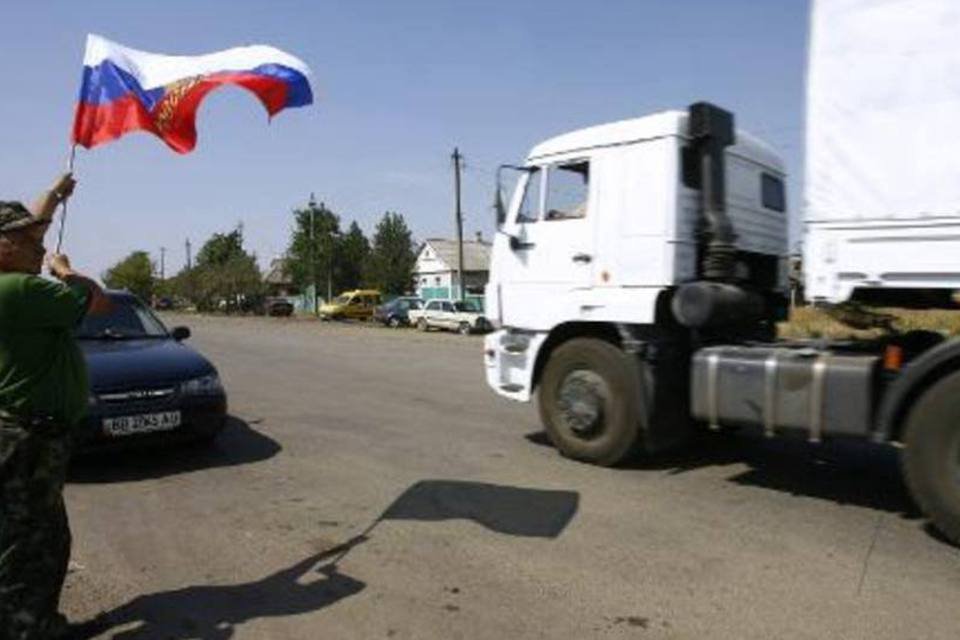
column 456, row 182
column 189, row 257
column 163, row 263
column 313, row 252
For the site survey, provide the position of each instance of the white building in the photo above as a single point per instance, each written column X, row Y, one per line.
column 435, row 274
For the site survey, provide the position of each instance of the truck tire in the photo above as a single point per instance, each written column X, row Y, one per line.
column 931, row 457
column 591, row 402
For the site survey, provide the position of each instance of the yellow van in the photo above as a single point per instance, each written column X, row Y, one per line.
column 355, row 305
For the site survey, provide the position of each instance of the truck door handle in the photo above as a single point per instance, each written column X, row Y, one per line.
column 582, row 257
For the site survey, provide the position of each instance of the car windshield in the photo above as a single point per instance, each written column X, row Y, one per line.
column 128, row 319
column 341, row 300
column 468, row 307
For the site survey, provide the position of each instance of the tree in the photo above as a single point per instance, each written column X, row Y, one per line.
column 353, row 254
column 134, row 273
column 226, row 276
column 392, row 258
column 221, row 248
column 312, row 254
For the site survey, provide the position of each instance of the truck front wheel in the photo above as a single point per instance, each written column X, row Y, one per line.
column 591, row 402
column 931, row 458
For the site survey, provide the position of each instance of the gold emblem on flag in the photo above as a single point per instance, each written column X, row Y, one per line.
column 167, row 106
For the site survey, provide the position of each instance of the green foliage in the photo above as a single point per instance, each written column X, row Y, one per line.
column 221, row 248
column 354, row 252
column 226, row 277
column 134, row 273
column 392, row 257
column 312, row 254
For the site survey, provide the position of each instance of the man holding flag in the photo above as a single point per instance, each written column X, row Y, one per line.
column 43, row 395
column 43, row 378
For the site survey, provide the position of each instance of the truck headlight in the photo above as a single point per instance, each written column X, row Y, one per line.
column 208, row 385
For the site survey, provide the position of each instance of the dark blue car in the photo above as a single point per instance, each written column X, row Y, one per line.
column 146, row 385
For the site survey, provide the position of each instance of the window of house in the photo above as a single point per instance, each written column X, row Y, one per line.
column 530, row 207
column 436, row 281
column 772, row 192
column 568, row 186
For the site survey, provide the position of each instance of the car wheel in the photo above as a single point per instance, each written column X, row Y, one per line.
column 422, row 324
column 394, row 322
column 590, row 402
column 464, row 329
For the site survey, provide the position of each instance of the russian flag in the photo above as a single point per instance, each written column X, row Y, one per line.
column 127, row 90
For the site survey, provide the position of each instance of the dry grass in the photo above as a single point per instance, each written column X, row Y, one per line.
column 811, row 322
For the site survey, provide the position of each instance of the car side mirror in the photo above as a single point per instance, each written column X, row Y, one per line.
column 180, row 333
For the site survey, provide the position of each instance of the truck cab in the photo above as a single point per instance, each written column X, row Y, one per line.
column 603, row 226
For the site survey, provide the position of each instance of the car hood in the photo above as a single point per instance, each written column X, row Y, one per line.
column 115, row 364
column 332, row 307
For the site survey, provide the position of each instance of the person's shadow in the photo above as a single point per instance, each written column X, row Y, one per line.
column 212, row 612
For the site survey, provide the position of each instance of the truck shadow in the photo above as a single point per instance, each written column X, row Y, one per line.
column 237, row 444
column 844, row 472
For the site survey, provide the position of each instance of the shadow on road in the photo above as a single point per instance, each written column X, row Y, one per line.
column 514, row 511
column 237, row 444
column 211, row 612
column 214, row 612
column 853, row 473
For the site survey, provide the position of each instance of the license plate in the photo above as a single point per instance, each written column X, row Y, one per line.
column 147, row 423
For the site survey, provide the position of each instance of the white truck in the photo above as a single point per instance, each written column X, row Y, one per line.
column 640, row 267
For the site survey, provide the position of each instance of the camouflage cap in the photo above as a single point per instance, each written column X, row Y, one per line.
column 13, row 216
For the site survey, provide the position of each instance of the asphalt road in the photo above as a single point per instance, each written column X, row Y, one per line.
column 370, row 486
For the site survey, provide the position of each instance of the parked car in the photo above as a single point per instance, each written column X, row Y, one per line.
column 395, row 313
column 146, row 384
column 352, row 305
column 463, row 317
column 277, row 307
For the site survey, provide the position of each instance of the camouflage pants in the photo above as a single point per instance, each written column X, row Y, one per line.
column 34, row 533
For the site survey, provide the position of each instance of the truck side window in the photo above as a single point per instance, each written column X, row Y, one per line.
column 568, row 186
column 530, row 207
column 772, row 192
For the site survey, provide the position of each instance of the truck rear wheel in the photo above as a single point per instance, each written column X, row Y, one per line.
column 590, row 401
column 931, row 458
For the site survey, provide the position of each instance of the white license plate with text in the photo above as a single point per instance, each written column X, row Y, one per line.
column 147, row 423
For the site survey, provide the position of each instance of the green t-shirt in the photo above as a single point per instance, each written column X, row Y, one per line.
column 42, row 371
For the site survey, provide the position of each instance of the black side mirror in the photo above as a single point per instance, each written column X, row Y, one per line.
column 180, row 333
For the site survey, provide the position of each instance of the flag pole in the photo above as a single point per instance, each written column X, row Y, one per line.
column 63, row 213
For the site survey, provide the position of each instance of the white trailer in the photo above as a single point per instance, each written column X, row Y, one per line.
column 640, row 266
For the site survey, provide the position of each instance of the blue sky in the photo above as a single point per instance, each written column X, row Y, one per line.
column 398, row 85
